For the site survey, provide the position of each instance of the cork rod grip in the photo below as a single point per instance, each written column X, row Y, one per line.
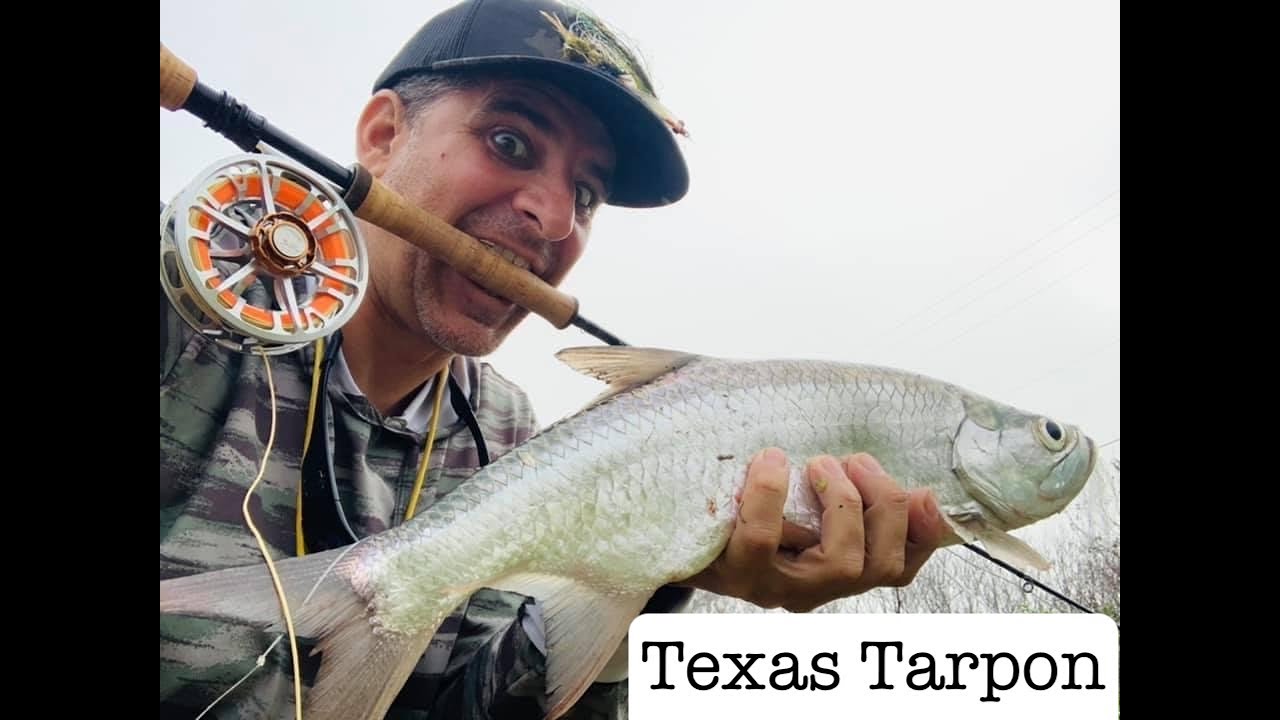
column 386, row 209
column 177, row 80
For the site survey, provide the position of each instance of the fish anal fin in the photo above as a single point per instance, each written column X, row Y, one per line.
column 584, row 628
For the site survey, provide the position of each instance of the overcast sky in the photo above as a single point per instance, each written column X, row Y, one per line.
column 933, row 186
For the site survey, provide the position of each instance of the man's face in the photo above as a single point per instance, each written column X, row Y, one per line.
column 519, row 166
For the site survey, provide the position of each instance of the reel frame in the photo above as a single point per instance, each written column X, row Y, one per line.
column 260, row 254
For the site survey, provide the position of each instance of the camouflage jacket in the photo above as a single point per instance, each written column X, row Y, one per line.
column 215, row 415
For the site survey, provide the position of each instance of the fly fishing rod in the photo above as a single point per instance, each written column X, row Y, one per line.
column 305, row 239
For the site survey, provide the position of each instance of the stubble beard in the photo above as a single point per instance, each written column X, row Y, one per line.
column 461, row 330
column 450, row 322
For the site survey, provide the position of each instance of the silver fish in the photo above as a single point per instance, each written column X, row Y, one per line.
column 638, row 490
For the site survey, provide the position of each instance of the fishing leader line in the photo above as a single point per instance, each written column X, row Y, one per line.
column 1032, row 581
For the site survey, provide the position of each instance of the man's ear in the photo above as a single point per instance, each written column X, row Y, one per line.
column 381, row 123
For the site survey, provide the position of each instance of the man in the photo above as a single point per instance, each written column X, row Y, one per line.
column 514, row 121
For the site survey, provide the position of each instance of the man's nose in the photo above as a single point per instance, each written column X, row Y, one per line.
column 551, row 205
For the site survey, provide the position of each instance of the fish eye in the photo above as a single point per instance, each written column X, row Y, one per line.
column 1052, row 430
column 1051, row 434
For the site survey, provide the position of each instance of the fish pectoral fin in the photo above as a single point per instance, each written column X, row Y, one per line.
column 584, row 628
column 622, row 367
column 1000, row 544
column 960, row 528
column 1010, row 549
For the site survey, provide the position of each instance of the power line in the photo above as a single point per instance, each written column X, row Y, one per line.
column 940, row 318
column 1074, row 364
column 1021, row 303
column 1025, row 248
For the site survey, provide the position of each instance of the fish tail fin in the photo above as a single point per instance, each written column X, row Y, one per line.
column 247, row 595
column 363, row 667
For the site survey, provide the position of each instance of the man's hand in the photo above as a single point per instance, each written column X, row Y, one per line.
column 874, row 534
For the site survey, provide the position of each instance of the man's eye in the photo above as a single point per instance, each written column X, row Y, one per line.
column 586, row 196
column 511, row 145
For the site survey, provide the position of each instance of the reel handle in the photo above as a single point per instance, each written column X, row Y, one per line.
column 374, row 202
column 177, row 80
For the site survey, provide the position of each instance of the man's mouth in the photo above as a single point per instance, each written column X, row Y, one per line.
column 507, row 255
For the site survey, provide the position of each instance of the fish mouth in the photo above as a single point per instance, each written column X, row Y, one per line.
column 1093, row 455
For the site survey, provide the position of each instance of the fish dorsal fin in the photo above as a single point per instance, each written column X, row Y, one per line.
column 622, row 367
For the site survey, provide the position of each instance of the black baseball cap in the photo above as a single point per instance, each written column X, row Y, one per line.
column 578, row 53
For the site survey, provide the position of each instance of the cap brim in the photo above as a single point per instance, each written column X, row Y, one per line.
column 651, row 170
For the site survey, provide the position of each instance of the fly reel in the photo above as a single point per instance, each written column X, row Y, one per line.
column 260, row 254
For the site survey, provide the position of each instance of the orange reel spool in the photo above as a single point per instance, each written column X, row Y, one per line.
column 261, row 254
